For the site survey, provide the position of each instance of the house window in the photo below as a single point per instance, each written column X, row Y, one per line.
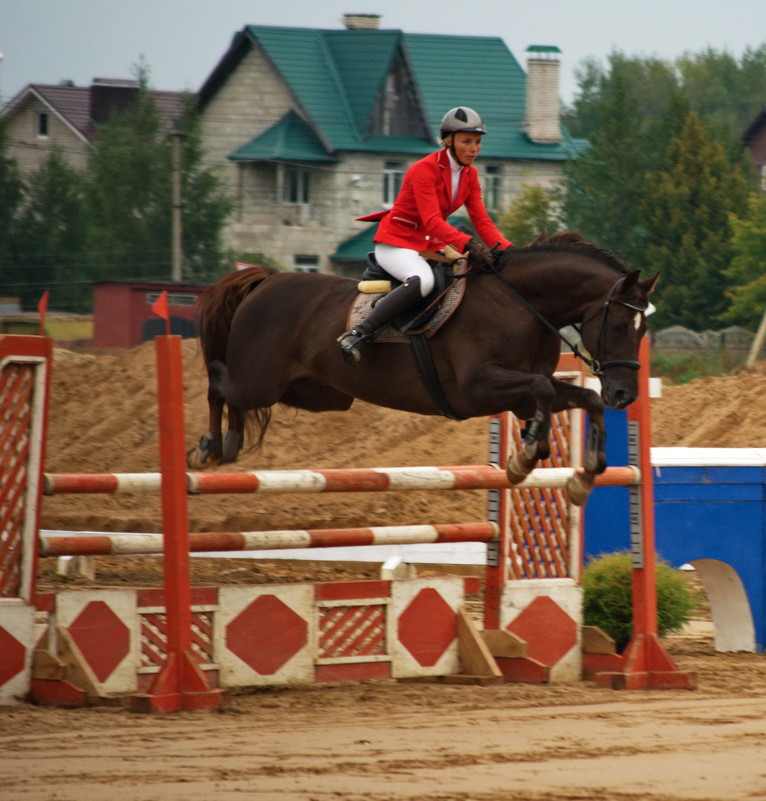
column 42, row 125
column 393, row 173
column 174, row 298
column 491, row 190
column 306, row 263
column 295, row 187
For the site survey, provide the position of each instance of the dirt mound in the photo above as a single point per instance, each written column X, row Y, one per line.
column 720, row 412
column 103, row 418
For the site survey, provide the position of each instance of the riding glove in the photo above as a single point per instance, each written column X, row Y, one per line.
column 479, row 253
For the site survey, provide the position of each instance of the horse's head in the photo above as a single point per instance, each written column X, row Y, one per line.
column 611, row 331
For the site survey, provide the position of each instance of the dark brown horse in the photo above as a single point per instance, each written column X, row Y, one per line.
column 270, row 338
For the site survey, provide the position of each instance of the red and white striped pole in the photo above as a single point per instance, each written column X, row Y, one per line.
column 180, row 684
column 646, row 664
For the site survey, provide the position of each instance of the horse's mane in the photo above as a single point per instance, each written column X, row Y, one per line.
column 572, row 242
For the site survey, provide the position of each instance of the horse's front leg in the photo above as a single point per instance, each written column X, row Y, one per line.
column 536, row 447
column 529, row 396
column 569, row 396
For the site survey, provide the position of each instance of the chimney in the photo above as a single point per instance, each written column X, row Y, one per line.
column 109, row 95
column 542, row 123
column 361, row 22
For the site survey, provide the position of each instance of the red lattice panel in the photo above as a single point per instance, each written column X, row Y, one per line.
column 154, row 638
column 352, row 631
column 539, row 521
column 16, row 392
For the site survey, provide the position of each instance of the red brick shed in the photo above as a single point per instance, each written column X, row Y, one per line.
column 123, row 316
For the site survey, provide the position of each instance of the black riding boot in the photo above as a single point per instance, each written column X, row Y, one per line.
column 395, row 302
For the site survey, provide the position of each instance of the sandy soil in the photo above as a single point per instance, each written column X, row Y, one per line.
column 375, row 741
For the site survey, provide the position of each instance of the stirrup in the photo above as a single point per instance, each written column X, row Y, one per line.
column 348, row 344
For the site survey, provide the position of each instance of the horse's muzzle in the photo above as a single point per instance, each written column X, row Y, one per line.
column 617, row 394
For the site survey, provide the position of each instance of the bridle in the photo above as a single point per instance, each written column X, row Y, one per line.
column 596, row 363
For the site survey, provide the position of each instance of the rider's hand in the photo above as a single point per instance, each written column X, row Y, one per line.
column 480, row 254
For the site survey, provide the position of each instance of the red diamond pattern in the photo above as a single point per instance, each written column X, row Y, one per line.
column 266, row 634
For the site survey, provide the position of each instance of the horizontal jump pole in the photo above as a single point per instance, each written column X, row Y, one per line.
column 94, row 543
column 378, row 479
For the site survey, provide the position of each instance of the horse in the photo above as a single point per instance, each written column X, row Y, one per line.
column 269, row 337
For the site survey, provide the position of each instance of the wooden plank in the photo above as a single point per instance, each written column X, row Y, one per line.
column 595, row 641
column 504, row 643
column 475, row 656
column 47, row 666
column 77, row 669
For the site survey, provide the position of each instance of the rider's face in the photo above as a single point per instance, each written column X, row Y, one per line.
column 466, row 146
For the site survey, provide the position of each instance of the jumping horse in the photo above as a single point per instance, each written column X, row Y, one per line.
column 269, row 337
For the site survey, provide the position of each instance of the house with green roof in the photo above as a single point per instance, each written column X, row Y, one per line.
column 317, row 127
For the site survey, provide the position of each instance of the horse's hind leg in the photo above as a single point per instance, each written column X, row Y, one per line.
column 235, row 435
column 208, row 451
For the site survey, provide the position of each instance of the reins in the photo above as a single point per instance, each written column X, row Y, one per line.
column 596, row 365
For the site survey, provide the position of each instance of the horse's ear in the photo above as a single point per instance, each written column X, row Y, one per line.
column 631, row 279
column 650, row 283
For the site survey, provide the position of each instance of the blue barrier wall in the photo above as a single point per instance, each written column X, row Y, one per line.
column 710, row 511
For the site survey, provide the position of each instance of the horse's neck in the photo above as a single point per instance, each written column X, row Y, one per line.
column 561, row 288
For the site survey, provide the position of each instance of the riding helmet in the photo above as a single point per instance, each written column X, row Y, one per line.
column 462, row 118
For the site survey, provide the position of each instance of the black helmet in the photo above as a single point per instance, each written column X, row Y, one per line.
column 462, row 118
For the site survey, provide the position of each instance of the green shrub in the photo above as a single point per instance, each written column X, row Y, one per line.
column 608, row 597
column 682, row 368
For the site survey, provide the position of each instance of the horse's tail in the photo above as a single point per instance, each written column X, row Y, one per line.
column 216, row 307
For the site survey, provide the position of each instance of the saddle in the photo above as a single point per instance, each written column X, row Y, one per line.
column 424, row 317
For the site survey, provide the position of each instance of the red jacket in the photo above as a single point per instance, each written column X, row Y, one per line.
column 418, row 218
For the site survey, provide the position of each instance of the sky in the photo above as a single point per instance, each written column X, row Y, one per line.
column 181, row 41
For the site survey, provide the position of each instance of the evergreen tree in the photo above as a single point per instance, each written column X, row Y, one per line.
column 685, row 216
column 747, row 272
column 130, row 197
column 725, row 93
column 53, row 233
column 206, row 206
column 603, row 186
column 532, row 213
column 11, row 197
column 129, row 194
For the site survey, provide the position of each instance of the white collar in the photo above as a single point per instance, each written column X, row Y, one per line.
column 454, row 163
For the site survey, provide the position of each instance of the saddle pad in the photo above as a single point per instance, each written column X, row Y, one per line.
column 363, row 304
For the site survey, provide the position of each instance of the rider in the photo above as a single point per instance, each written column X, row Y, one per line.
column 433, row 189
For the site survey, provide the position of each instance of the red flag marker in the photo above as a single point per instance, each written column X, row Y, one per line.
column 42, row 308
column 161, row 309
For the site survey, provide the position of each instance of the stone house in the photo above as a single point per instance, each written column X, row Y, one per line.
column 754, row 138
column 63, row 116
column 316, row 127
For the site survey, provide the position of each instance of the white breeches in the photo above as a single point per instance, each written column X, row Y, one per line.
column 404, row 263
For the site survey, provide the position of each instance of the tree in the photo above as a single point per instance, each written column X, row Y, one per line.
column 206, row 205
column 747, row 272
column 11, row 197
column 685, row 227
column 129, row 194
column 532, row 212
column 53, row 232
column 603, row 186
column 130, row 197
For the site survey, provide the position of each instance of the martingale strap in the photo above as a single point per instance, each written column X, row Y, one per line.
column 429, row 376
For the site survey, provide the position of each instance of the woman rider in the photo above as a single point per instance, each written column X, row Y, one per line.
column 433, row 189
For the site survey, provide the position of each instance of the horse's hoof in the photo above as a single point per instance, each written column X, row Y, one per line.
column 232, row 445
column 579, row 487
column 518, row 468
column 208, row 452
